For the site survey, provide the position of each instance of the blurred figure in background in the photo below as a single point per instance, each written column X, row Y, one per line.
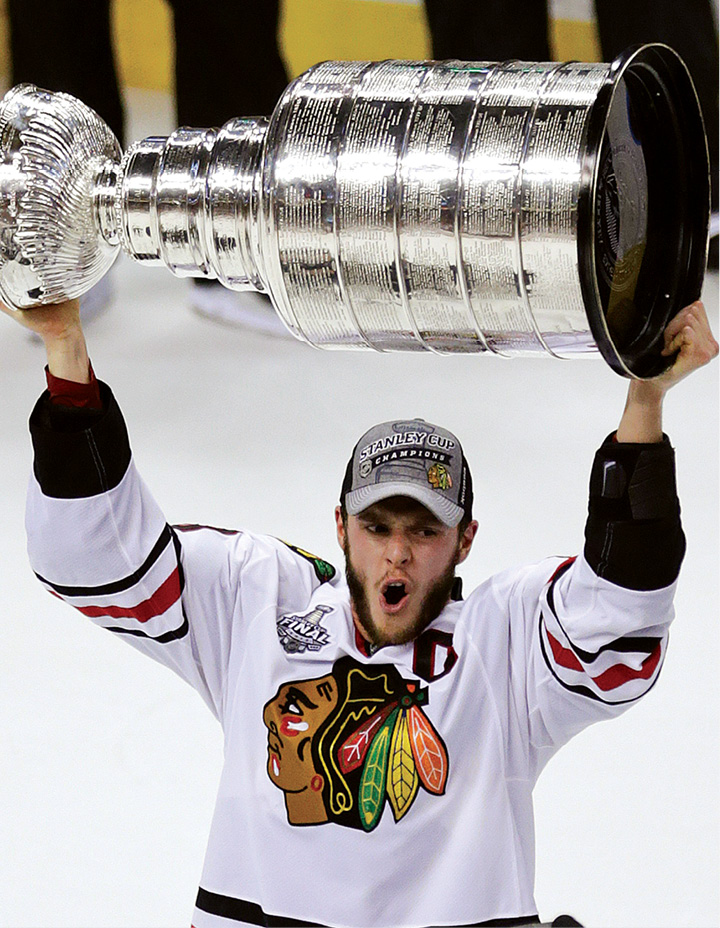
column 494, row 30
column 227, row 63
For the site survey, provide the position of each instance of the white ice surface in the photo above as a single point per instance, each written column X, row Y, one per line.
column 109, row 762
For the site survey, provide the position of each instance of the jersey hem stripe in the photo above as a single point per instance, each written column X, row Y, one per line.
column 251, row 913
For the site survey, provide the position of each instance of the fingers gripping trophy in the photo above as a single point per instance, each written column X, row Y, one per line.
column 514, row 208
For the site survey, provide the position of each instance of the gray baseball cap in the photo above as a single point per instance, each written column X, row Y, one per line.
column 409, row 457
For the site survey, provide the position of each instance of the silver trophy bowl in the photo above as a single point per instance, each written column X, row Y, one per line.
column 514, row 208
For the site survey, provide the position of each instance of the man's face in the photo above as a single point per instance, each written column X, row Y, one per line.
column 400, row 563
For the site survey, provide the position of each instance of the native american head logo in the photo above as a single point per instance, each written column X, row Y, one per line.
column 342, row 745
column 439, row 477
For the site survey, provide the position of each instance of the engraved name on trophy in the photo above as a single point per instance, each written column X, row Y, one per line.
column 515, row 208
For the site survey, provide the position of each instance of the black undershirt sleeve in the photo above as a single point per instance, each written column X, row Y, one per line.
column 633, row 534
column 79, row 452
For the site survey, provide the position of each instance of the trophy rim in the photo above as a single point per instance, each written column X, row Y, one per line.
column 691, row 146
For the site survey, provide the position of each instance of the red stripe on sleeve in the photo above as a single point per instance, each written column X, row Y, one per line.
column 620, row 673
column 611, row 678
column 570, row 560
column 161, row 600
column 563, row 656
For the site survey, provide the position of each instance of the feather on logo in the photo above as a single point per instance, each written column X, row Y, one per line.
column 370, row 742
column 398, row 749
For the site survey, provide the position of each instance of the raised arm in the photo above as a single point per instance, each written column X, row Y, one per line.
column 690, row 336
column 602, row 633
column 60, row 329
column 98, row 540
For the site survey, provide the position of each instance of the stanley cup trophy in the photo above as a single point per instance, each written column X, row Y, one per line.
column 512, row 208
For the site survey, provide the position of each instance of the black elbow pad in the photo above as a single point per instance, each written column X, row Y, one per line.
column 79, row 452
column 633, row 535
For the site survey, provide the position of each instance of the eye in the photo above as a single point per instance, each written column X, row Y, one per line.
column 376, row 528
column 428, row 532
column 290, row 706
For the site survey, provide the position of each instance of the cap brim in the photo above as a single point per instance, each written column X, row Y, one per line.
column 446, row 511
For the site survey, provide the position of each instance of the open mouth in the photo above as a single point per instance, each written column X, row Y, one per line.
column 393, row 595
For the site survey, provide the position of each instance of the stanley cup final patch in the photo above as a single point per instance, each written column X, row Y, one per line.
column 303, row 632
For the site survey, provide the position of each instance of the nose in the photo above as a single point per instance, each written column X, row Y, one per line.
column 398, row 550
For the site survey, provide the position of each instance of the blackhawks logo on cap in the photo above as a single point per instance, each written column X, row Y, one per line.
column 439, row 477
column 343, row 746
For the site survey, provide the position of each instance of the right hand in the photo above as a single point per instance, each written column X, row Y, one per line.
column 52, row 321
column 58, row 325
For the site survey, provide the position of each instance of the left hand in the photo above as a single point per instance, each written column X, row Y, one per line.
column 689, row 335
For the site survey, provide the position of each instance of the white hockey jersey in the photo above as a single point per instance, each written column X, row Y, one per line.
column 357, row 790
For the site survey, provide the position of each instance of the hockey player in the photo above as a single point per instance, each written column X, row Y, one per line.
column 382, row 735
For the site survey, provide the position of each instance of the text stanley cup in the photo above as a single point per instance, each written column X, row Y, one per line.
column 516, row 208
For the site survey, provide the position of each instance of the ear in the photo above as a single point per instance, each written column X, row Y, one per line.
column 466, row 540
column 340, row 527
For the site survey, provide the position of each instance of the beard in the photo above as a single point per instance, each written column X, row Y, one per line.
column 433, row 604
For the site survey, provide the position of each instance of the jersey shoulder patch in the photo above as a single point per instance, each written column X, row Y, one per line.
column 323, row 570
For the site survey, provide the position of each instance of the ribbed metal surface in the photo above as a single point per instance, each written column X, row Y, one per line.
column 516, row 208
column 55, row 147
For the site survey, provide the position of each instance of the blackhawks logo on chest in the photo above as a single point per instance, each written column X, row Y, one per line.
column 343, row 746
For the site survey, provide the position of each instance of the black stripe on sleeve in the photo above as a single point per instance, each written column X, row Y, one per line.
column 625, row 645
column 174, row 634
column 584, row 690
column 78, row 452
column 166, row 536
column 117, row 586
